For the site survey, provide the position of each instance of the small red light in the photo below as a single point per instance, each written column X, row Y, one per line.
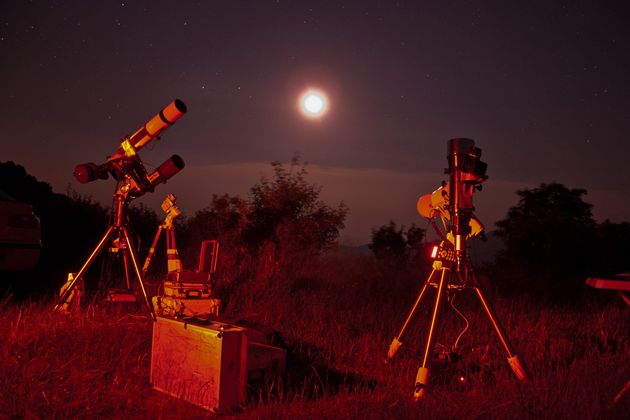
column 434, row 252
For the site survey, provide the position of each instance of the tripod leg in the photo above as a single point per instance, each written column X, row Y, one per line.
column 147, row 261
column 623, row 390
column 174, row 264
column 422, row 377
column 64, row 296
column 396, row 343
column 137, row 269
column 126, row 268
column 513, row 359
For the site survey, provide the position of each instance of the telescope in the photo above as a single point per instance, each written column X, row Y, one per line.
column 452, row 269
column 133, row 180
column 125, row 162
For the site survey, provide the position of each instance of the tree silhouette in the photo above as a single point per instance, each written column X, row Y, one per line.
column 15, row 181
column 396, row 244
column 549, row 238
column 287, row 210
column 282, row 224
column 223, row 220
column 70, row 226
column 611, row 252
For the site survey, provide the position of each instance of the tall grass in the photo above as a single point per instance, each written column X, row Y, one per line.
column 337, row 316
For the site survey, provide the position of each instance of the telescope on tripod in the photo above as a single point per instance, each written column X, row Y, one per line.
column 452, row 270
column 132, row 181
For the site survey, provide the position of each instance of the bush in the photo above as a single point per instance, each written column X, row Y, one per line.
column 276, row 230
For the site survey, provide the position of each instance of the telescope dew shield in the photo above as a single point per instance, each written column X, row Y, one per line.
column 166, row 170
column 458, row 149
column 156, row 125
column 464, row 157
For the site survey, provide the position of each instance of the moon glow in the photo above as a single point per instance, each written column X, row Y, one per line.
column 313, row 103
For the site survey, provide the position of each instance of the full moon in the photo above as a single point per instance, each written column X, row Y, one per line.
column 313, row 103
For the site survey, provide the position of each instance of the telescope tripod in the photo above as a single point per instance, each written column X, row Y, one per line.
column 441, row 278
column 118, row 234
column 174, row 264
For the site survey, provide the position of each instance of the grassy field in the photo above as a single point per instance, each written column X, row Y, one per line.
column 337, row 317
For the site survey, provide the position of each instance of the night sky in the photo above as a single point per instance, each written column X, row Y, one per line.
column 542, row 87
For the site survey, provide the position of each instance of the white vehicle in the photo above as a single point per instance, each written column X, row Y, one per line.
column 20, row 235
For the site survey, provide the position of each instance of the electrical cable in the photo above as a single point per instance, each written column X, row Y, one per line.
column 462, row 316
